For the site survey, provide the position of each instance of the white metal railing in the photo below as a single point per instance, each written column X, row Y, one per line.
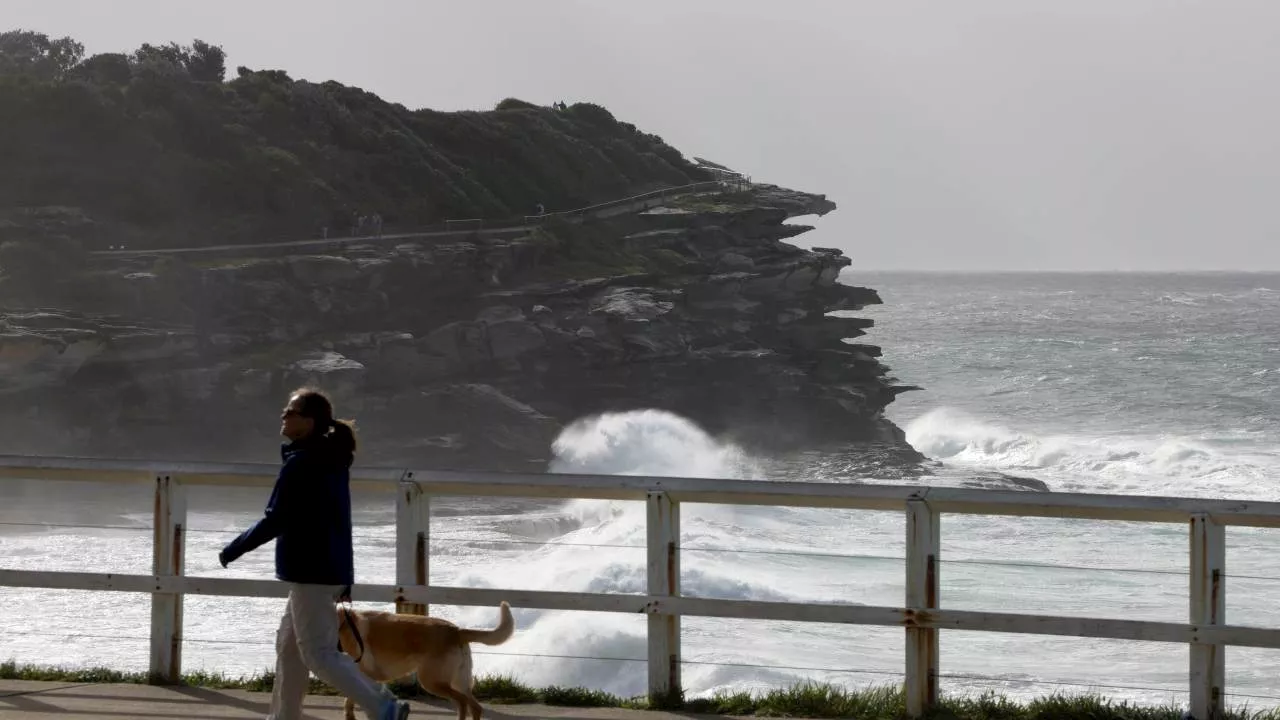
column 921, row 615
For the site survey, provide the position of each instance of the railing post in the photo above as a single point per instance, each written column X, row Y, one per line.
column 923, row 550
column 1208, row 607
column 168, row 560
column 663, row 543
column 413, row 538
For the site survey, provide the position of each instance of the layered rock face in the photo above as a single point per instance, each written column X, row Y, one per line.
column 464, row 352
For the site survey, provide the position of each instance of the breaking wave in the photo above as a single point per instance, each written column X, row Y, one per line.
column 1216, row 466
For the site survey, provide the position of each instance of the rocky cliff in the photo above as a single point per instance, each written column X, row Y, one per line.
column 464, row 351
column 457, row 350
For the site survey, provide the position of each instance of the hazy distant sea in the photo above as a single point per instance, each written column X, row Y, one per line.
column 1114, row 383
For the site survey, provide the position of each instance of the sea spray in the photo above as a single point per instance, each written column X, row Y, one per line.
column 1091, row 383
column 646, row 442
column 606, row 552
column 1134, row 463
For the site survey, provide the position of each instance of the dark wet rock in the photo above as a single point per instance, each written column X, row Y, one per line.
column 473, row 353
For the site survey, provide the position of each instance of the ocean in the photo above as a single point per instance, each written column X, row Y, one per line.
column 1114, row 383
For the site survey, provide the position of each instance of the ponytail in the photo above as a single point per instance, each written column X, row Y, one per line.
column 342, row 433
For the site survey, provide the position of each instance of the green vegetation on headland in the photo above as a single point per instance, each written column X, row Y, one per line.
column 158, row 147
column 804, row 700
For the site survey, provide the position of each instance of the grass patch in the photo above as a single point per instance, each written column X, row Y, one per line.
column 804, row 700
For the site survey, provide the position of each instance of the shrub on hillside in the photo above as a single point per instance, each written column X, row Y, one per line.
column 158, row 140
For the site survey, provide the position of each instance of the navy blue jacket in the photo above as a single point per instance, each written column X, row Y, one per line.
column 309, row 517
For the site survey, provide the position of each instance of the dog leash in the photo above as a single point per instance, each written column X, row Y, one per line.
column 351, row 622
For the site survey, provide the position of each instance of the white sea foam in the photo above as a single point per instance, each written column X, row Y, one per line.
column 1219, row 466
column 598, row 547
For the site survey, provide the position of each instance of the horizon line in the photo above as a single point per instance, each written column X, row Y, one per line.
column 998, row 271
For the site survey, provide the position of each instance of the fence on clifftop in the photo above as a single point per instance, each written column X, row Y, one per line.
column 920, row 616
column 462, row 227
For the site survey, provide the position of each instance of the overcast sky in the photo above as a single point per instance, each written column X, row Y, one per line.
column 972, row 135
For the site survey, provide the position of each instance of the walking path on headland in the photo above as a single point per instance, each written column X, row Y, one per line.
column 31, row 700
column 449, row 228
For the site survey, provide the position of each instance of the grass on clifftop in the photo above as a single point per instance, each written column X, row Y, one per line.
column 165, row 145
column 806, row 700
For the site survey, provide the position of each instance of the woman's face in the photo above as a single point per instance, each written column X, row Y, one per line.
column 292, row 423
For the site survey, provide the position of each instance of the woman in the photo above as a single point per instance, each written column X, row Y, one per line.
column 309, row 517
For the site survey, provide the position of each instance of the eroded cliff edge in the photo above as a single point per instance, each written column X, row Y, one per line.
column 465, row 352
column 450, row 351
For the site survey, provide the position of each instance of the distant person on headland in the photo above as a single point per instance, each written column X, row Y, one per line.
column 309, row 517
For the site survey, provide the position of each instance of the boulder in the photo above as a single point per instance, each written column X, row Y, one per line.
column 322, row 270
column 252, row 383
column 802, row 278
column 731, row 261
column 544, row 316
column 30, row 360
column 397, row 359
column 471, row 423
column 510, row 339
column 138, row 345
column 500, row 313
column 629, row 304
column 332, row 372
column 459, row 343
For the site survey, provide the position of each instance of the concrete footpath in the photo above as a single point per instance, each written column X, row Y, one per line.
column 28, row 700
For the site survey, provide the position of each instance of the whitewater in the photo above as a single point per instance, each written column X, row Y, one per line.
column 1117, row 383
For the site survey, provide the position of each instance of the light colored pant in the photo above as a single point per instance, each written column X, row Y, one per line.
column 308, row 640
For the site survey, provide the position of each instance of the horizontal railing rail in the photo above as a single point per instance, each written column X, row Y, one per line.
column 854, row 496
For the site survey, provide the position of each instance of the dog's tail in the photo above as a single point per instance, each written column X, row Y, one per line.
column 506, row 628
